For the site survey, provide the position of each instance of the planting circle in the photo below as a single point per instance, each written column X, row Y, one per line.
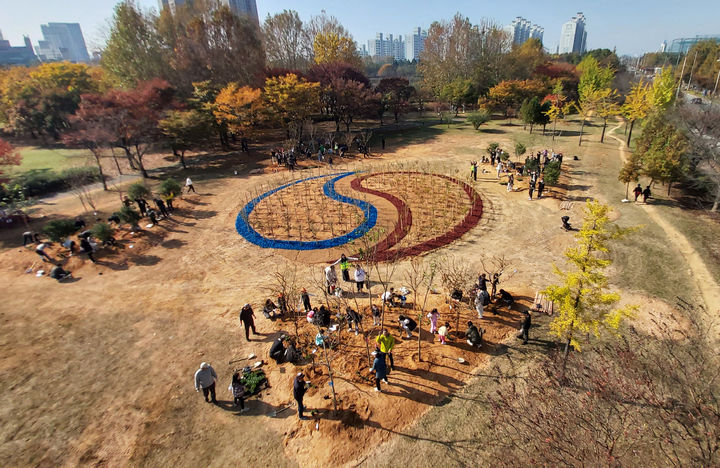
column 432, row 210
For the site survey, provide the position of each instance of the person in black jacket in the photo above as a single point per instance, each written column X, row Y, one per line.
column 306, row 300
column 277, row 350
column 247, row 318
column 407, row 324
column 525, row 327
column 474, row 336
column 299, row 389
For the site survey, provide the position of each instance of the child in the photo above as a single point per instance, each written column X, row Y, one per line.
column 376, row 315
column 443, row 331
column 433, row 316
column 238, row 391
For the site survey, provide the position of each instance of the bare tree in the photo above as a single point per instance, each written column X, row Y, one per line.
column 455, row 275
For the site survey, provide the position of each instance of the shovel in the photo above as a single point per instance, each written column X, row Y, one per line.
column 274, row 413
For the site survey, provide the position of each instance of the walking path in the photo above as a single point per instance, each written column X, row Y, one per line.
column 701, row 275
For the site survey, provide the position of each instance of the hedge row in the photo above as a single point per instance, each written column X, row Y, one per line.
column 39, row 182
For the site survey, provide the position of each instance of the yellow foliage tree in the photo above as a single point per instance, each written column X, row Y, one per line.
column 238, row 107
column 291, row 100
column 586, row 307
column 637, row 104
column 331, row 47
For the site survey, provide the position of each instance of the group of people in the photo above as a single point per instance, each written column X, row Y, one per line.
column 205, row 378
column 637, row 191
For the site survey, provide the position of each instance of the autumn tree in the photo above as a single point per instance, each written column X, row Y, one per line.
column 8, row 157
column 91, row 133
column 238, row 107
column 662, row 94
column 291, row 100
column 558, row 105
column 534, row 113
column 184, row 130
column 203, row 99
column 606, row 106
column 348, row 99
column 630, row 171
column 585, row 306
column 663, row 150
column 331, row 47
column 520, row 63
column 510, row 94
column 594, row 80
column 458, row 93
column 478, row 118
column 287, row 42
column 637, row 105
column 396, row 93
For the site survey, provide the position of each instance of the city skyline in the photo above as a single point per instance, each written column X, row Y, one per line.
column 611, row 25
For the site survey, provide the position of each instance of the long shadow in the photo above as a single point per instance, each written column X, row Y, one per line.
column 145, row 260
column 173, row 244
column 492, row 131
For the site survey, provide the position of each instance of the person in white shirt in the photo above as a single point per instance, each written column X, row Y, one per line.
column 360, row 277
column 189, row 185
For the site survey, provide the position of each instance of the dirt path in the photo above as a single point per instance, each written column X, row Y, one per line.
column 703, row 278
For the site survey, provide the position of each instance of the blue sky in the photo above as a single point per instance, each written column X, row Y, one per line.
column 631, row 26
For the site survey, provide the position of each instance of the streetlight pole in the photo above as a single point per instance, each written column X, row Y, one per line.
column 682, row 72
column 716, row 81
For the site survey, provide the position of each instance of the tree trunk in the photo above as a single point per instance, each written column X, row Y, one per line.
column 102, row 176
column 716, row 203
column 332, row 382
column 129, row 156
column 531, row 128
column 669, row 187
column 140, row 163
column 554, row 127
column 602, row 136
column 117, row 164
column 544, row 129
column 627, row 187
column 626, row 125
column 582, row 126
column 182, row 159
column 632, row 124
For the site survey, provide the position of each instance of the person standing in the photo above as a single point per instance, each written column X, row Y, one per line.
column 299, row 389
column 382, row 141
column 380, row 369
column 473, row 170
column 359, row 277
column 482, row 282
column 511, row 179
column 499, row 169
column 142, row 205
column 305, row 300
column 189, row 185
column 433, row 316
column 525, row 327
column 387, row 343
column 646, row 194
column 161, row 206
column 479, row 303
column 531, row 189
column 443, row 332
column 375, row 310
column 495, row 282
column 247, row 318
column 330, row 279
column 205, row 378
column 540, row 187
column 637, row 191
column 238, row 392
column 345, row 266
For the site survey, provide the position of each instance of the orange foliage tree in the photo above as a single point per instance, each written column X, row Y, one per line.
column 238, row 107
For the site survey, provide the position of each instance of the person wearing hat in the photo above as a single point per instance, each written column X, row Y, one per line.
column 299, row 389
column 277, row 350
column 306, row 300
column 247, row 318
column 205, row 379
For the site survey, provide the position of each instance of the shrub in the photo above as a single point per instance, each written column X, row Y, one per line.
column 59, row 229
column 531, row 164
column 504, row 156
column 478, row 118
column 102, row 231
column 39, row 182
column 129, row 216
column 552, row 172
column 138, row 190
column 492, row 147
column 519, row 149
column 170, row 187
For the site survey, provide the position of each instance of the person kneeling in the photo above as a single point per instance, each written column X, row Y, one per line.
column 474, row 336
column 59, row 274
column 277, row 350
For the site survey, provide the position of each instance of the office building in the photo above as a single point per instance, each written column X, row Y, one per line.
column 386, row 47
column 683, row 44
column 239, row 7
column 573, row 36
column 65, row 38
column 22, row 55
column 520, row 30
column 414, row 44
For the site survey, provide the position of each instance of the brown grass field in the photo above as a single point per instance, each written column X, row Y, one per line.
column 99, row 371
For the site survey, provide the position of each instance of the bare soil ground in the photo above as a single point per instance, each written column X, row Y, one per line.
column 99, row 371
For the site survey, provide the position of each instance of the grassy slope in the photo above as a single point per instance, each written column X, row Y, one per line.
column 56, row 159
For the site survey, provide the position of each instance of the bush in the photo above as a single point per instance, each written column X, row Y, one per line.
column 531, row 164
column 39, row 182
column 492, row 147
column 102, row 231
column 552, row 172
column 478, row 118
column 170, row 187
column 129, row 216
column 138, row 190
column 59, row 229
column 519, row 149
column 504, row 156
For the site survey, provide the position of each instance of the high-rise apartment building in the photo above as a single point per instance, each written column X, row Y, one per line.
column 22, row 55
column 520, row 30
column 414, row 44
column 683, row 44
column 387, row 47
column 573, row 36
column 63, row 41
column 239, row 7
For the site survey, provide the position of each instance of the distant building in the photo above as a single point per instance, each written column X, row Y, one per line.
column 22, row 55
column 663, row 47
column 362, row 51
column 683, row 44
column 239, row 7
column 63, row 41
column 386, row 47
column 414, row 44
column 520, row 30
column 573, row 36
